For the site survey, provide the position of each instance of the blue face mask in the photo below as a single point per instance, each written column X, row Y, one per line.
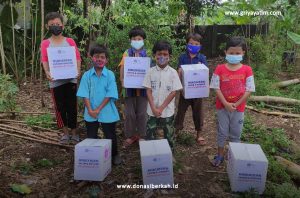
column 137, row 44
column 193, row 49
column 163, row 60
column 234, row 59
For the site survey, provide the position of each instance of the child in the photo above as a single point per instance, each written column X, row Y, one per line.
column 162, row 82
column 98, row 89
column 192, row 56
column 135, row 99
column 63, row 91
column 233, row 83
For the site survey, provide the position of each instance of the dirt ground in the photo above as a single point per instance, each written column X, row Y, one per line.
column 193, row 173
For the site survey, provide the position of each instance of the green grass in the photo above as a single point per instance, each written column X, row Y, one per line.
column 264, row 87
column 273, row 141
column 42, row 120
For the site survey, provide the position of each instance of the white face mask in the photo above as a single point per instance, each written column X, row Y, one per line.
column 137, row 44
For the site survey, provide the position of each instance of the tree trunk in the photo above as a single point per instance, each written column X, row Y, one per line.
column 287, row 83
column 292, row 168
column 274, row 99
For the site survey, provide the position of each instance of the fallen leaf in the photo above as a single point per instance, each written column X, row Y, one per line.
column 21, row 188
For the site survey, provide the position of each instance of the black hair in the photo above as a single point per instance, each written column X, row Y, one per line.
column 54, row 15
column 236, row 41
column 137, row 31
column 194, row 36
column 162, row 45
column 99, row 49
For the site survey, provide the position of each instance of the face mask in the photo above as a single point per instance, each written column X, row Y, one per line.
column 55, row 29
column 137, row 44
column 193, row 49
column 163, row 60
column 234, row 59
column 98, row 63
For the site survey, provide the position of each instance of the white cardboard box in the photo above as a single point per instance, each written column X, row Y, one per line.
column 135, row 69
column 157, row 164
column 92, row 159
column 247, row 167
column 62, row 62
column 195, row 81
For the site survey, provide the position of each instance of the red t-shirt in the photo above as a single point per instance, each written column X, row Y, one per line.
column 233, row 84
column 46, row 43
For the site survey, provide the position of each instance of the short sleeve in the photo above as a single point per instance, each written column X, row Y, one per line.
column 176, row 82
column 43, row 48
column 215, row 79
column 147, row 79
column 250, row 85
column 72, row 43
column 215, row 82
column 112, row 90
column 83, row 90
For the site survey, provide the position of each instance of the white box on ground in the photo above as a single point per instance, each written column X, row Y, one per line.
column 92, row 159
column 157, row 162
column 247, row 167
column 195, row 81
column 135, row 69
column 62, row 62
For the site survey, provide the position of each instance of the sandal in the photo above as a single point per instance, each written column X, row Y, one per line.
column 201, row 141
column 64, row 139
column 75, row 138
column 218, row 160
column 130, row 141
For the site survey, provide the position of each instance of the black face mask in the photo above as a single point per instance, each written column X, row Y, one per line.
column 55, row 30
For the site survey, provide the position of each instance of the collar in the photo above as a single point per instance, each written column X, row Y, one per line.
column 160, row 69
column 103, row 73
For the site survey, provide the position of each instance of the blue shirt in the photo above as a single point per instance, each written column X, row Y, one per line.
column 185, row 59
column 96, row 89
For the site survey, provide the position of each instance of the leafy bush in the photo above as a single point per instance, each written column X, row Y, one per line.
column 42, row 120
column 8, row 92
column 286, row 190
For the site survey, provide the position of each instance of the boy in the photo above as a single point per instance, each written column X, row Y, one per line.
column 135, row 99
column 98, row 89
column 162, row 82
column 192, row 56
column 233, row 82
column 63, row 91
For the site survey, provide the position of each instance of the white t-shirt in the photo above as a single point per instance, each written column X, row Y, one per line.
column 162, row 82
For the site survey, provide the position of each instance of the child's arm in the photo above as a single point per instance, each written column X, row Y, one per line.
column 242, row 99
column 47, row 71
column 228, row 106
column 166, row 102
column 151, row 103
column 122, row 75
column 102, row 105
column 78, row 68
column 91, row 112
column 250, row 87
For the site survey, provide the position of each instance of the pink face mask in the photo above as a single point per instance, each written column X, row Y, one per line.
column 98, row 63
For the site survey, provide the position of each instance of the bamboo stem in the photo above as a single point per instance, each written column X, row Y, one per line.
column 26, row 113
column 13, row 40
column 24, row 42
column 276, row 113
column 38, row 140
column 2, row 52
column 25, row 132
